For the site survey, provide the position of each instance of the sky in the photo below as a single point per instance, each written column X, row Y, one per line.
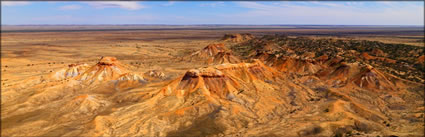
column 214, row 12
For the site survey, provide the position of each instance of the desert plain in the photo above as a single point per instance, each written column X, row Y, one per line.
column 212, row 81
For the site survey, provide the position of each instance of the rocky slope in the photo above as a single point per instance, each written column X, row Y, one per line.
column 214, row 54
column 270, row 86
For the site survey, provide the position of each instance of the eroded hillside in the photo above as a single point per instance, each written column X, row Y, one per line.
column 240, row 85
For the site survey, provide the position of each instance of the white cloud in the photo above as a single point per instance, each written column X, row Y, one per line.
column 129, row 5
column 70, row 7
column 214, row 4
column 14, row 3
column 329, row 13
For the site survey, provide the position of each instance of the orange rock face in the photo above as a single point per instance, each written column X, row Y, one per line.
column 108, row 68
column 367, row 56
column 263, row 89
column 224, row 57
column 219, row 80
column 421, row 59
column 371, row 78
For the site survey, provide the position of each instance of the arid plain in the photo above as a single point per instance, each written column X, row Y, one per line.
column 212, row 81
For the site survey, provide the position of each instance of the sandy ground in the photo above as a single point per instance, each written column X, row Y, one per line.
column 36, row 53
column 27, row 55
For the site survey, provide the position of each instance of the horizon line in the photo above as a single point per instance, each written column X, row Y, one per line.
column 199, row 25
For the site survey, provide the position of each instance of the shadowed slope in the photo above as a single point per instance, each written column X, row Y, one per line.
column 371, row 78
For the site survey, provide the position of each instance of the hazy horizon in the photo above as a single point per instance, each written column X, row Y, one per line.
column 196, row 25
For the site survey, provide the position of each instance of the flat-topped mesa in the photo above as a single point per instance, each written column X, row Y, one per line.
column 203, row 72
column 370, row 78
column 107, row 61
column 73, row 65
column 107, row 69
column 220, row 80
column 207, row 81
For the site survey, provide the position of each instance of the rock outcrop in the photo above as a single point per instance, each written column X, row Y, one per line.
column 238, row 37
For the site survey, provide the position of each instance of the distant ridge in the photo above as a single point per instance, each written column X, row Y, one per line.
column 140, row 27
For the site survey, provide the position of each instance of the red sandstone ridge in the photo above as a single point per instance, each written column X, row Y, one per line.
column 220, row 80
column 366, row 56
column 337, row 76
column 371, row 78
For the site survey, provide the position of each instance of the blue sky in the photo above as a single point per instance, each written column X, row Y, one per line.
column 214, row 12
